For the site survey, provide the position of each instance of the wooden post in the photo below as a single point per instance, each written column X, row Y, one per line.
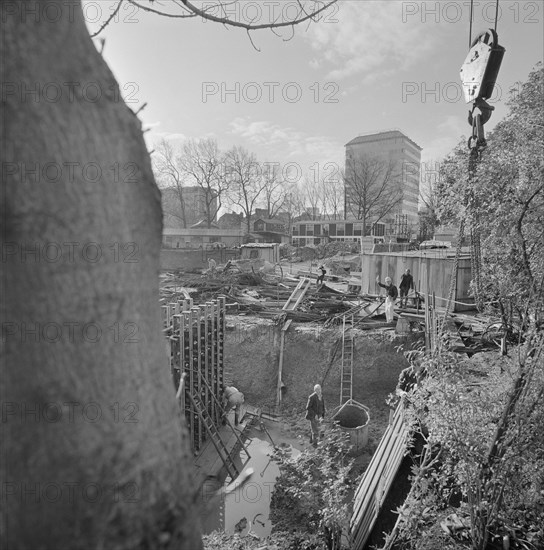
column 165, row 316
column 221, row 336
column 428, row 342
column 182, row 365
column 342, row 358
column 197, row 386
column 207, row 366
column 176, row 364
column 216, row 387
column 280, row 365
column 188, row 355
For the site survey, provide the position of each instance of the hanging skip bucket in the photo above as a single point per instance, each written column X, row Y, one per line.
column 353, row 419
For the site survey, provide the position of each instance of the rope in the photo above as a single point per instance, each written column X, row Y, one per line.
column 496, row 15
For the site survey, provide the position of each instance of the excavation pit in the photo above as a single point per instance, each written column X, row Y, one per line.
column 353, row 419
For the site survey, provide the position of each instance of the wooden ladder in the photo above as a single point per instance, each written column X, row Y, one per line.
column 297, row 294
column 213, row 432
column 346, row 378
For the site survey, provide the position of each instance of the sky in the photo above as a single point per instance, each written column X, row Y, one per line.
column 296, row 99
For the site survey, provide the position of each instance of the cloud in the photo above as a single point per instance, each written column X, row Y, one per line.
column 287, row 144
column 168, row 136
column 370, row 38
column 153, row 138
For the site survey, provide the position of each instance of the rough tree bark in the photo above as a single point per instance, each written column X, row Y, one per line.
column 93, row 453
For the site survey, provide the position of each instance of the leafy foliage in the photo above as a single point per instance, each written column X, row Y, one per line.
column 483, row 421
column 503, row 202
column 276, row 541
column 311, row 492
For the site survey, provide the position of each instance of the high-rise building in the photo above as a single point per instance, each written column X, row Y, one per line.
column 371, row 159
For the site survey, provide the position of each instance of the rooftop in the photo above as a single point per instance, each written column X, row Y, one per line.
column 271, row 221
column 259, row 245
column 383, row 135
column 438, row 253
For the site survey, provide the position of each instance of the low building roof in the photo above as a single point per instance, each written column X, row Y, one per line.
column 259, row 245
column 275, row 221
column 438, row 253
column 201, row 231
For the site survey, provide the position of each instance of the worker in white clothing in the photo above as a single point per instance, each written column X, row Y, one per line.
column 212, row 266
column 392, row 294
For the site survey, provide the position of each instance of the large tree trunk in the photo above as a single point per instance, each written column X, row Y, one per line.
column 93, row 453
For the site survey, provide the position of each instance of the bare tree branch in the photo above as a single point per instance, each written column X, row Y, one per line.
column 372, row 188
column 274, row 188
column 165, row 14
column 245, row 181
column 165, row 165
column 108, row 21
column 300, row 18
column 190, row 10
column 203, row 164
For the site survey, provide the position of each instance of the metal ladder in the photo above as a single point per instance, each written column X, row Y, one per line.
column 213, row 432
column 346, row 376
column 297, row 294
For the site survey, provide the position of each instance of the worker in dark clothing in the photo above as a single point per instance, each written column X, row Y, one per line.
column 321, row 277
column 391, row 296
column 406, row 284
column 315, row 412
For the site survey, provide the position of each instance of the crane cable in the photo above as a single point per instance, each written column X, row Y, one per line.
column 475, row 241
column 471, row 19
column 475, row 255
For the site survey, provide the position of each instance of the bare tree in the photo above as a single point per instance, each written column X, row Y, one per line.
column 122, row 485
column 297, row 200
column 330, row 193
column 169, row 176
column 274, row 188
column 290, row 207
column 428, row 197
column 203, row 165
column 312, row 196
column 246, row 185
column 372, row 188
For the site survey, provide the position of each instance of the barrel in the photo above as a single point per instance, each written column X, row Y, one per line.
column 353, row 419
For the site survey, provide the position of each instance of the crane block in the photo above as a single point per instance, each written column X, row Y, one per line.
column 481, row 67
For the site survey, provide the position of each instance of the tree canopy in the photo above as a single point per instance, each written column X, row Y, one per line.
column 503, row 202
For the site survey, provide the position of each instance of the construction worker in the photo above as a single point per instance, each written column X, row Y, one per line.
column 315, row 412
column 232, row 399
column 212, row 265
column 406, row 284
column 321, row 277
column 391, row 296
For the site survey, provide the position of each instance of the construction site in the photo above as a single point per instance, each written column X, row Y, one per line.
column 272, row 275
column 273, row 331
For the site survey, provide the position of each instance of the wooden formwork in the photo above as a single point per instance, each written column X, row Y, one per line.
column 196, row 336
